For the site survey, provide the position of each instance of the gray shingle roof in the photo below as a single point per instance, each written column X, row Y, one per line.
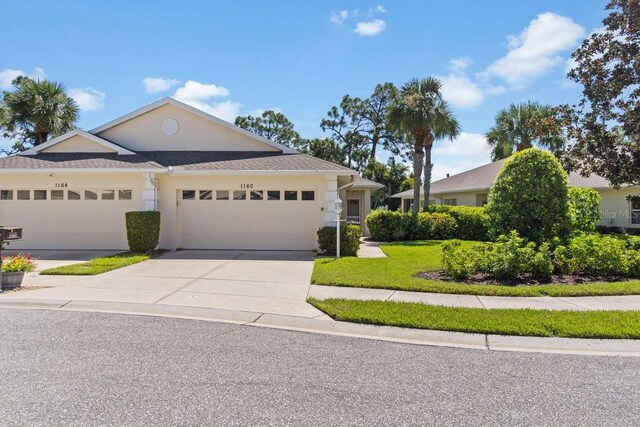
column 242, row 160
column 483, row 177
column 360, row 182
column 189, row 160
column 77, row 161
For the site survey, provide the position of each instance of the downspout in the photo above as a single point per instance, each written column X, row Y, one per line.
column 353, row 178
column 153, row 183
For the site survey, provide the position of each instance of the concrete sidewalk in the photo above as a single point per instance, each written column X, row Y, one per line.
column 624, row 302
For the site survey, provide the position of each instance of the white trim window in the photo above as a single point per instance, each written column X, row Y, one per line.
column 450, row 202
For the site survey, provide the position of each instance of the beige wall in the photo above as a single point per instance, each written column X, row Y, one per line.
column 78, row 144
column 70, row 224
column 144, row 133
column 99, row 224
column 462, row 199
column 614, row 209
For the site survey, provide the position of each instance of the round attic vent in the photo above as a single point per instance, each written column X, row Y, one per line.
column 169, row 126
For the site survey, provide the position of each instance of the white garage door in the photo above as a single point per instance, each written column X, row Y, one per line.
column 248, row 219
column 67, row 219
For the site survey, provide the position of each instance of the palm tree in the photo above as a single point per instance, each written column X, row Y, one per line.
column 520, row 126
column 36, row 110
column 421, row 112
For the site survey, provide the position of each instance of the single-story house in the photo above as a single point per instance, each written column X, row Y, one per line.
column 216, row 185
column 471, row 188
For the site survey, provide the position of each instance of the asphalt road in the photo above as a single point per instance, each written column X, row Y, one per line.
column 68, row 368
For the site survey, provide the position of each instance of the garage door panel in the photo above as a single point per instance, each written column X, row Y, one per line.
column 248, row 224
column 68, row 224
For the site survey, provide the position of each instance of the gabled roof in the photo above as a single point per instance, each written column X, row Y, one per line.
column 77, row 161
column 177, row 162
column 77, row 132
column 483, row 177
column 360, row 182
column 179, row 104
column 250, row 161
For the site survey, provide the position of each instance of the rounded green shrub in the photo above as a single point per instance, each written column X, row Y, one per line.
column 584, row 208
column 436, row 226
column 349, row 240
column 530, row 196
column 143, row 230
column 473, row 222
column 387, row 226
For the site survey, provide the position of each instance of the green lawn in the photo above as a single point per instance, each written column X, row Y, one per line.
column 97, row 265
column 404, row 260
column 521, row 322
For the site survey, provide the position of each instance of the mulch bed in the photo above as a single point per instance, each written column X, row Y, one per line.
column 523, row 280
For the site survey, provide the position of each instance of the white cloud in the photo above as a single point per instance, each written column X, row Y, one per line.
column 340, row 17
column 226, row 110
column 7, row 75
column 371, row 28
column 458, row 65
column 467, row 152
column 460, row 92
column 158, row 84
column 535, row 50
column 378, row 9
column 88, row 99
column 196, row 91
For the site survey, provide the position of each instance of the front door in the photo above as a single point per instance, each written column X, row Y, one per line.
column 353, row 210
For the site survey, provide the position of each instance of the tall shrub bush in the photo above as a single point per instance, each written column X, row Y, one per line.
column 584, row 208
column 349, row 240
column 143, row 230
column 530, row 195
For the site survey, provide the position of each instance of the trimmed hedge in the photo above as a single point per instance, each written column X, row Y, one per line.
column 349, row 240
column 473, row 222
column 391, row 226
column 143, row 230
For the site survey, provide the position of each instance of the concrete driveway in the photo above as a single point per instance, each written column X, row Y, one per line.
column 274, row 282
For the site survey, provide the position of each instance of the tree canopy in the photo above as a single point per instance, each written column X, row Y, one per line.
column 272, row 125
column 420, row 110
column 35, row 111
column 522, row 126
column 360, row 126
column 605, row 125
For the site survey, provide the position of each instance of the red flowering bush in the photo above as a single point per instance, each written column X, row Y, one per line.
column 20, row 262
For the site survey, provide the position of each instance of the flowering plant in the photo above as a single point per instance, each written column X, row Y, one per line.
column 16, row 263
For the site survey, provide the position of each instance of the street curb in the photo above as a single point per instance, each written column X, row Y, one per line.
column 327, row 326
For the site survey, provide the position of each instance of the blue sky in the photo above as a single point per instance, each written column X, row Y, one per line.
column 300, row 57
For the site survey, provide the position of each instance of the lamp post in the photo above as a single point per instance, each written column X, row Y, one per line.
column 338, row 210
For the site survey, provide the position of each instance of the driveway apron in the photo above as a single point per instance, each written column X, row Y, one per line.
column 274, row 282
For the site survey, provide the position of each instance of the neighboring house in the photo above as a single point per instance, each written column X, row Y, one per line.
column 471, row 188
column 217, row 186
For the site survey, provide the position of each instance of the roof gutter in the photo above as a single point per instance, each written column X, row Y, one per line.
column 353, row 179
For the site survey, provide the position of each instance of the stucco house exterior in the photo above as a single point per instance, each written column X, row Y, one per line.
column 217, row 186
column 471, row 188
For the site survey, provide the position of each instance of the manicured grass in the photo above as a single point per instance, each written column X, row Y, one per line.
column 97, row 265
column 521, row 322
column 404, row 260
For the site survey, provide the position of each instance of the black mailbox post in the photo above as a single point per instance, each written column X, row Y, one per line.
column 8, row 235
